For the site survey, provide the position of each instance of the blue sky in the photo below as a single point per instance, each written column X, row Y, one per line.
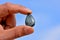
column 47, row 16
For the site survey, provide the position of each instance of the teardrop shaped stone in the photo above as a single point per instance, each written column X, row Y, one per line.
column 30, row 21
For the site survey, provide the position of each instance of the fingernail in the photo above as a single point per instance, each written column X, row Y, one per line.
column 28, row 30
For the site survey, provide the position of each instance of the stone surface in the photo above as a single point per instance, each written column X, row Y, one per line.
column 30, row 21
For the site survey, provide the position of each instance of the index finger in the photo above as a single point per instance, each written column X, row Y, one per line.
column 15, row 8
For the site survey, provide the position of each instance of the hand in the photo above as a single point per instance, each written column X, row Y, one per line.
column 8, row 28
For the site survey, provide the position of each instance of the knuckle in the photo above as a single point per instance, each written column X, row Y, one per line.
column 7, row 3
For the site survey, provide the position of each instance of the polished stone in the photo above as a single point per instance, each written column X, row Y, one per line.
column 30, row 21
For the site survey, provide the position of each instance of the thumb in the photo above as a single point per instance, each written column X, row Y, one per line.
column 17, row 32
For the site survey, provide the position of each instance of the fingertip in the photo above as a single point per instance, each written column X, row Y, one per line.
column 28, row 30
column 28, row 11
column 25, row 10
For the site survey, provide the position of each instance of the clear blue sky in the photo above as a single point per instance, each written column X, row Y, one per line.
column 47, row 16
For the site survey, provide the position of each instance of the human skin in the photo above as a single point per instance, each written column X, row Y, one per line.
column 9, row 30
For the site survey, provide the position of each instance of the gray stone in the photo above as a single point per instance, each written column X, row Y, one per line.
column 30, row 21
